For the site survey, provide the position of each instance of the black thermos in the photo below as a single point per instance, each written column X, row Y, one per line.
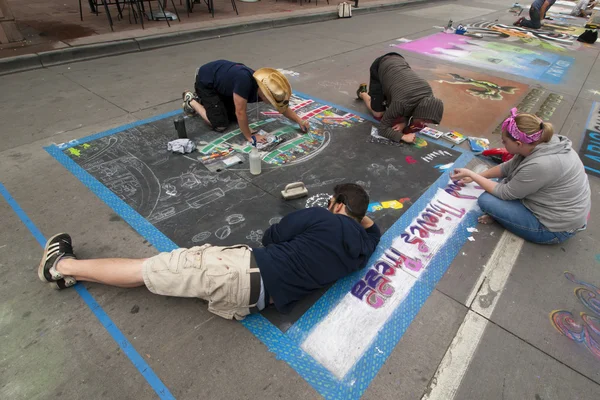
column 180, row 127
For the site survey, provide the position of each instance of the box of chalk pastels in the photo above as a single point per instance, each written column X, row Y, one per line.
column 454, row 137
column 427, row 131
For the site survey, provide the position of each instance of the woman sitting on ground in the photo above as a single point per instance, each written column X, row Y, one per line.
column 544, row 195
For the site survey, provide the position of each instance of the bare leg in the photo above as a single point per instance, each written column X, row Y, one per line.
column 367, row 99
column 121, row 272
column 199, row 108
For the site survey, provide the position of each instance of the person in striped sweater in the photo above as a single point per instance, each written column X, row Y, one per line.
column 399, row 98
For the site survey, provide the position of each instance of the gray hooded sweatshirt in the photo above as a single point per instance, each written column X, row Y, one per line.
column 551, row 182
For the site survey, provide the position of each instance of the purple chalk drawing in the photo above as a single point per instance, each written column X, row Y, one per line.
column 514, row 59
column 584, row 332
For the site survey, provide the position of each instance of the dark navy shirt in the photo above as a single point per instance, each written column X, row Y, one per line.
column 309, row 249
column 227, row 78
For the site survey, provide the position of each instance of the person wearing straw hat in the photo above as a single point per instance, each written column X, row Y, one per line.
column 224, row 89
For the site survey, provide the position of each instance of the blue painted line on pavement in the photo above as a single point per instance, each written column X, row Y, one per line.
column 159, row 387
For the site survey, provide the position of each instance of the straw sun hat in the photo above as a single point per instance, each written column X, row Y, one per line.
column 275, row 87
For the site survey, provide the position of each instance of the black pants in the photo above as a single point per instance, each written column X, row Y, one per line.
column 375, row 85
column 536, row 19
column 220, row 109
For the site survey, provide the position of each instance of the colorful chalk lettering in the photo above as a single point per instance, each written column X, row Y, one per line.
column 589, row 152
column 417, row 245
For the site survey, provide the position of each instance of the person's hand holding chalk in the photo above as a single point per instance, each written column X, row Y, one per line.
column 259, row 138
column 462, row 174
column 304, row 126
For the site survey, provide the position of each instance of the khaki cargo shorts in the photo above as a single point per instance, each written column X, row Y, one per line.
column 219, row 275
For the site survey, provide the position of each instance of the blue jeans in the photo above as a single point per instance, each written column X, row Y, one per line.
column 536, row 20
column 516, row 218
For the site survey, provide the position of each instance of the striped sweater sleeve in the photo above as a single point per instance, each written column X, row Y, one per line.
column 393, row 112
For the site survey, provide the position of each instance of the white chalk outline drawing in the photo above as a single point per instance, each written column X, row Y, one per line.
column 223, row 232
column 136, row 182
column 235, row 219
column 377, row 169
column 338, row 85
column 365, row 185
column 169, row 189
column 288, row 72
column 255, row 236
column 201, row 237
column 318, row 183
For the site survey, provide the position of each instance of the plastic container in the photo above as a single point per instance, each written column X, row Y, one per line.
column 255, row 162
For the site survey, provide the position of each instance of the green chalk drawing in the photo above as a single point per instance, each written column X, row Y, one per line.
column 209, row 148
column 74, row 152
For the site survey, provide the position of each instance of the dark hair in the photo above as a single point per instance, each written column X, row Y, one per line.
column 354, row 197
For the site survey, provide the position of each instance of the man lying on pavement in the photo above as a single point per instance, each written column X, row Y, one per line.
column 307, row 250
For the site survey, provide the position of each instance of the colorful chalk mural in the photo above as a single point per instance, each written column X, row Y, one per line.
column 517, row 60
column 530, row 102
column 465, row 93
column 287, row 144
column 543, row 39
column 564, row 28
column 485, row 90
column 588, row 331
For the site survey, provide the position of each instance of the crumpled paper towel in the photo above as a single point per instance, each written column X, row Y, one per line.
column 182, row 146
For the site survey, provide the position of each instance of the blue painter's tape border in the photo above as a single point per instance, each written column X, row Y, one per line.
column 86, row 139
column 138, row 361
column 285, row 346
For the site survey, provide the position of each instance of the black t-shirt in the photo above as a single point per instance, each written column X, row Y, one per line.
column 227, row 78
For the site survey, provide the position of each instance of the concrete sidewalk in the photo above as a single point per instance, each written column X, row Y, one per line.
column 483, row 333
column 54, row 34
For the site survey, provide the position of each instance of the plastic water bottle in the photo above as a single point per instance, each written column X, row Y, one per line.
column 255, row 163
